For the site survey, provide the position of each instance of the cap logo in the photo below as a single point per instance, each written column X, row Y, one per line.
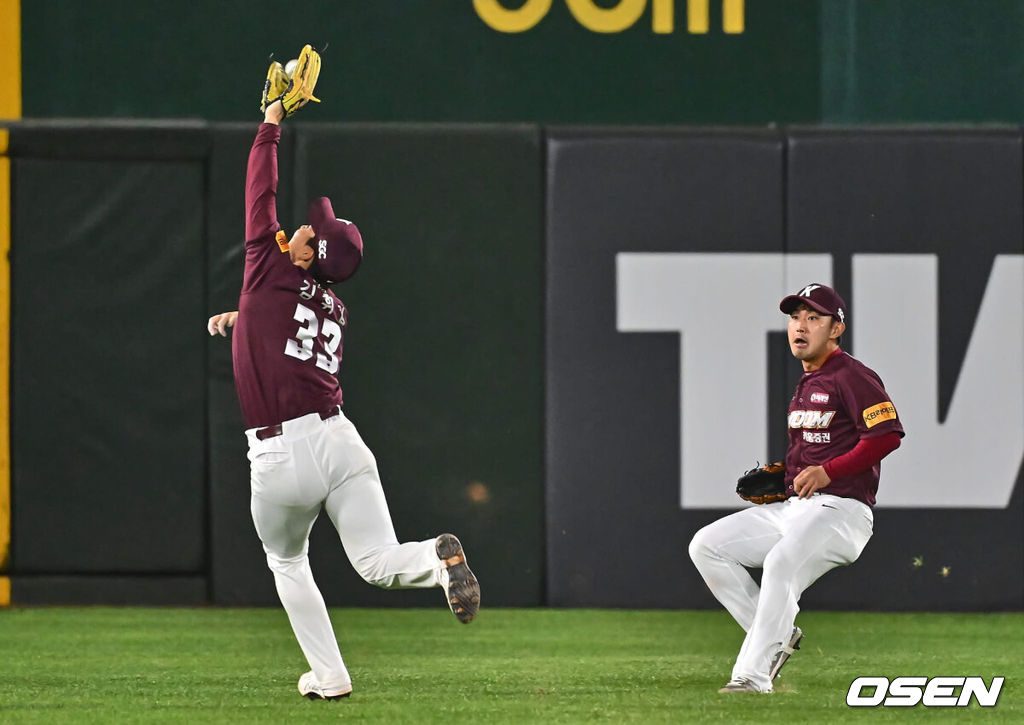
column 806, row 291
column 322, row 249
column 842, row 315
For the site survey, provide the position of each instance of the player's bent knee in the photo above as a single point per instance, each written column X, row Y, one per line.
column 780, row 560
column 287, row 564
column 373, row 570
column 377, row 578
column 701, row 546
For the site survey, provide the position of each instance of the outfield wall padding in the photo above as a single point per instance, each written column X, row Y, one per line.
column 518, row 383
column 954, row 198
column 666, row 253
column 108, row 425
column 443, row 360
column 615, row 532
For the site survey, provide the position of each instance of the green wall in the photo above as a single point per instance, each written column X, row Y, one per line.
column 895, row 61
column 419, row 60
column 796, row 61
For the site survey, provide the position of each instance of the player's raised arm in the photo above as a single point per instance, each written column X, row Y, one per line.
column 261, row 178
column 284, row 92
column 305, row 454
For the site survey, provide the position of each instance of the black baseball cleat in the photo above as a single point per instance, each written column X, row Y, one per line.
column 309, row 687
column 461, row 588
column 784, row 653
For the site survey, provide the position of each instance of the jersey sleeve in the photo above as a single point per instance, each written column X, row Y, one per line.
column 869, row 405
column 865, row 455
column 261, row 185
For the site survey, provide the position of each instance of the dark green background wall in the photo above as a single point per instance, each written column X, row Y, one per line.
column 797, row 61
column 896, row 61
column 419, row 60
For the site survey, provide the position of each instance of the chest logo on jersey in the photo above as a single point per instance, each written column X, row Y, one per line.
column 877, row 413
column 819, row 397
column 309, row 291
column 811, row 418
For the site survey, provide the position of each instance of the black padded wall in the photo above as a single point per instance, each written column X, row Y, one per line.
column 443, row 361
column 668, row 376
column 564, row 347
column 108, row 425
column 891, row 206
column 615, row 531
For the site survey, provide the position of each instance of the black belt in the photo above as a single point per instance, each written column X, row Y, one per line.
column 272, row 431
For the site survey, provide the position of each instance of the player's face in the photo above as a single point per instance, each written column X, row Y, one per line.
column 809, row 335
column 299, row 250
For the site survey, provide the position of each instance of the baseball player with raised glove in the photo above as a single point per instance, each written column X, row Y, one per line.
column 816, row 508
column 305, row 454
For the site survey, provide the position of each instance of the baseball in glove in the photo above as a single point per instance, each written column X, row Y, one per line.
column 302, row 81
column 292, row 84
column 766, row 484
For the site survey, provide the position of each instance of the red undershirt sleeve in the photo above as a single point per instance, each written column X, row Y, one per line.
column 867, row 453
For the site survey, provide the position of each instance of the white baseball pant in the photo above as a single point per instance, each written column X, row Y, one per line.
column 318, row 464
column 794, row 542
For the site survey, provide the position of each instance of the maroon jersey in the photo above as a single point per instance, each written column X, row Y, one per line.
column 832, row 409
column 288, row 338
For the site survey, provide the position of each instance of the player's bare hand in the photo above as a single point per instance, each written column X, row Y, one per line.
column 810, row 480
column 274, row 113
column 219, row 324
column 302, row 235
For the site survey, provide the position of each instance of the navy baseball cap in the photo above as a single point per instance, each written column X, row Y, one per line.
column 337, row 246
column 818, row 297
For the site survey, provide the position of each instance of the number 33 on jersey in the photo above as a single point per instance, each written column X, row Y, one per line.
column 330, row 331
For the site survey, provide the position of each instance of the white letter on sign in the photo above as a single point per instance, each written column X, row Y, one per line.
column 895, row 332
column 722, row 306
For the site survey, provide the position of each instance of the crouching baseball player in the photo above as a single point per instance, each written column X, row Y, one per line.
column 841, row 424
column 305, row 455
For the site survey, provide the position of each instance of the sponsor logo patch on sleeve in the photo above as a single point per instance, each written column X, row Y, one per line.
column 878, row 413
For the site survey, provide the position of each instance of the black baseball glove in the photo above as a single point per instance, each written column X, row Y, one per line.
column 766, row 484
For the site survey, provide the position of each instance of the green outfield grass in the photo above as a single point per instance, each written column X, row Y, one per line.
column 114, row 665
